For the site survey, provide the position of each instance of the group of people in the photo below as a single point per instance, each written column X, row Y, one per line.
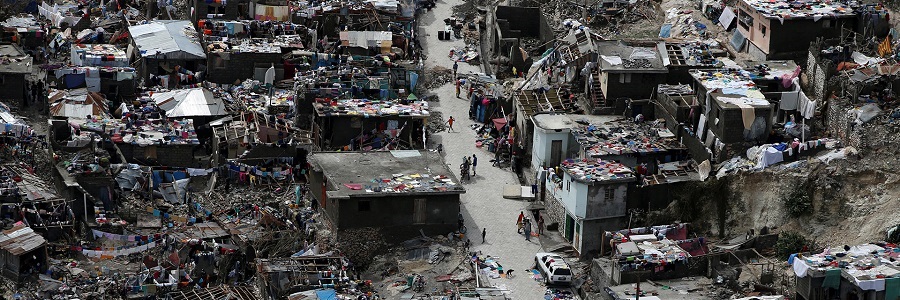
column 35, row 92
column 469, row 163
column 524, row 225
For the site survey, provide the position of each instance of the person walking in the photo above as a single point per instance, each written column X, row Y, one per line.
column 458, row 83
column 474, row 164
column 455, row 67
column 541, row 225
column 483, row 234
column 450, row 123
column 527, row 224
column 519, row 222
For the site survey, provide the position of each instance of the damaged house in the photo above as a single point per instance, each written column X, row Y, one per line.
column 629, row 71
column 773, row 30
column 734, row 114
column 589, row 197
column 562, row 136
column 14, row 66
column 162, row 45
column 400, row 192
column 235, row 54
column 866, row 271
column 363, row 124
column 22, row 252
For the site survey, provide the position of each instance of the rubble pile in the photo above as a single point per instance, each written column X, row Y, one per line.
column 436, row 122
column 436, row 77
column 361, row 245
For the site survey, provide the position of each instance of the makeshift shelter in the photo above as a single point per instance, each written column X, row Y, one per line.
column 77, row 103
column 164, row 44
column 196, row 102
column 15, row 245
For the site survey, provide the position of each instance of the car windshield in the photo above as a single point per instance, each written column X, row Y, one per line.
column 561, row 271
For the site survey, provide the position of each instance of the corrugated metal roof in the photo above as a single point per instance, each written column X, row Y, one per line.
column 196, row 102
column 77, row 103
column 174, row 39
column 20, row 240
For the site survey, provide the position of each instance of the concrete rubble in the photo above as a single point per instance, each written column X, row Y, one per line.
column 298, row 149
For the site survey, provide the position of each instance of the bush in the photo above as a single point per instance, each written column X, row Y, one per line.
column 797, row 201
column 789, row 243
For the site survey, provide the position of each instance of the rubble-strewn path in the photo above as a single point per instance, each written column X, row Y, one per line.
column 483, row 203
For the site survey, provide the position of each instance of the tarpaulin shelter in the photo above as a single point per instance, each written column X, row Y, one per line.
column 196, row 102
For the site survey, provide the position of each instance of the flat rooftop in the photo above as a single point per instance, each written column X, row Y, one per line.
column 372, row 108
column 690, row 288
column 621, row 57
column 676, row 171
column 770, row 69
column 858, row 260
column 810, row 9
column 733, row 87
column 619, row 136
column 385, row 173
column 568, row 121
column 14, row 60
column 597, row 171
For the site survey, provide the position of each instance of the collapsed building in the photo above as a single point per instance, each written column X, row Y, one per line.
column 401, row 193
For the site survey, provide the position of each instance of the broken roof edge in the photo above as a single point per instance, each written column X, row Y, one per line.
column 341, row 196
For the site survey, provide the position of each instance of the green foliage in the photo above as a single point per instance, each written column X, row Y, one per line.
column 789, row 243
column 797, row 201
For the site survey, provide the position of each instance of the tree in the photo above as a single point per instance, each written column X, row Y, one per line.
column 9, row 8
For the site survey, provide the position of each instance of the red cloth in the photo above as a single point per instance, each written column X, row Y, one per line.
column 499, row 123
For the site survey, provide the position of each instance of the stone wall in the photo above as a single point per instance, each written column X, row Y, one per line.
column 816, row 75
column 556, row 212
column 841, row 125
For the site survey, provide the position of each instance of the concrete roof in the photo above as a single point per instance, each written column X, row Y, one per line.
column 810, row 9
column 631, row 51
column 568, row 121
column 386, row 169
column 14, row 60
column 694, row 288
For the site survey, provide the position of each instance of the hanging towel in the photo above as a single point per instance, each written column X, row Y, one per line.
column 832, row 279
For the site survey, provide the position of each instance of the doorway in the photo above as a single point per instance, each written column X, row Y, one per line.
column 555, row 153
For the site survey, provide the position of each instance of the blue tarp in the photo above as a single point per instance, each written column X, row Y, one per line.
column 328, row 294
column 170, row 176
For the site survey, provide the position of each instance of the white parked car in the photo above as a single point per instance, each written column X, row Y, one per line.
column 554, row 269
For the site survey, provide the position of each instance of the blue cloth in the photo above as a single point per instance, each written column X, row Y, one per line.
column 413, row 79
column 665, row 31
column 328, row 294
column 75, row 80
column 791, row 259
